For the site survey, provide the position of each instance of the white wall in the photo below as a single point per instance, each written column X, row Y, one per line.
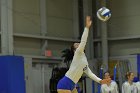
column 26, row 17
column 38, row 78
column 26, row 20
column 125, row 18
column 60, row 18
column 59, row 23
column 27, row 46
column 119, row 48
column 124, row 23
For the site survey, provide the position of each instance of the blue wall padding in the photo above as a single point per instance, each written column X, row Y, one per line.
column 115, row 72
column 138, row 66
column 12, row 74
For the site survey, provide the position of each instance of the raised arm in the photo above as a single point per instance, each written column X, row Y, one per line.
column 95, row 78
column 91, row 75
column 82, row 45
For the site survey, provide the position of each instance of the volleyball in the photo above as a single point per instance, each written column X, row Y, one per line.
column 103, row 14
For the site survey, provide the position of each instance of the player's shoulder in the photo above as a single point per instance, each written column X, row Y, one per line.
column 125, row 83
column 113, row 82
column 137, row 83
column 103, row 85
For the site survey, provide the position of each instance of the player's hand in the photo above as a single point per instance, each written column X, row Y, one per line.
column 105, row 81
column 88, row 21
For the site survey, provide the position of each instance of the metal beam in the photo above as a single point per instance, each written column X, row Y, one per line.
column 104, row 41
column 119, row 38
column 43, row 17
column 45, row 37
column 28, row 74
column 75, row 19
column 6, row 27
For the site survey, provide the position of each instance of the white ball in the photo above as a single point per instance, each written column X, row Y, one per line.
column 103, row 14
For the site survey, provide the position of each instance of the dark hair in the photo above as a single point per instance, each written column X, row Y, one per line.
column 72, row 46
column 72, row 50
column 68, row 55
column 128, row 74
column 106, row 72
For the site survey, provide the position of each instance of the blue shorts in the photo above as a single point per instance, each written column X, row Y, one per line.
column 66, row 84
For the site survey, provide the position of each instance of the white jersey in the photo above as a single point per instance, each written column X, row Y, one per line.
column 112, row 88
column 127, row 88
column 138, row 86
column 79, row 63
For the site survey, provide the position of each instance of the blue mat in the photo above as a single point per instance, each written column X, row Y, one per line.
column 12, row 74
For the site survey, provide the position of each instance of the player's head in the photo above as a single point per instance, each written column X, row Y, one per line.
column 130, row 76
column 106, row 75
column 74, row 46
